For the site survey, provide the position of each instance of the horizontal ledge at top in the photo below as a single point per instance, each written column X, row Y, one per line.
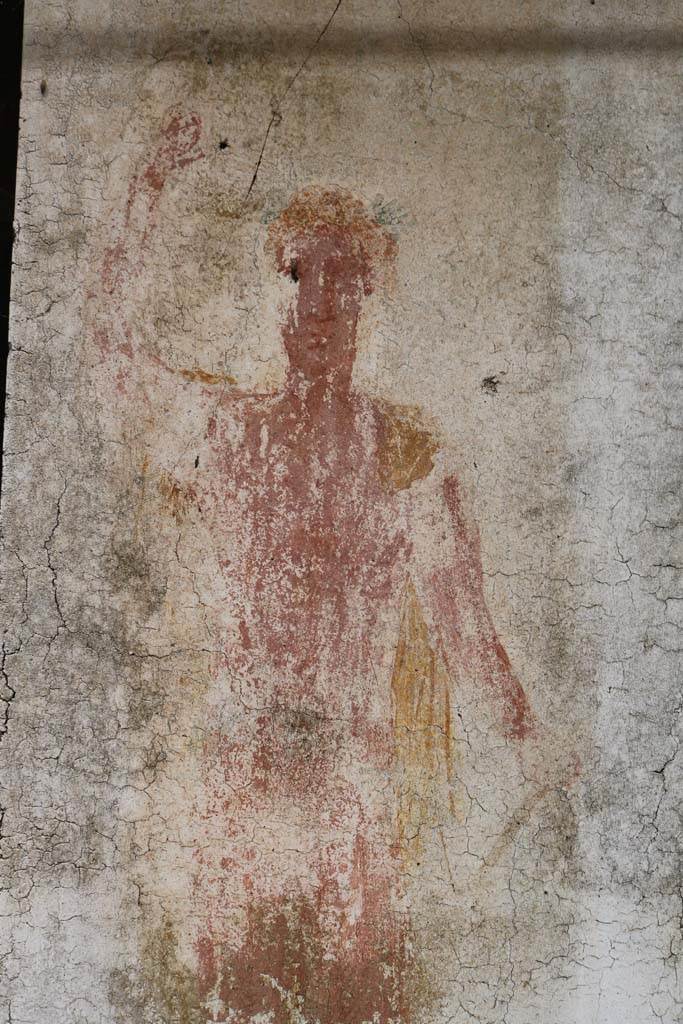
column 168, row 41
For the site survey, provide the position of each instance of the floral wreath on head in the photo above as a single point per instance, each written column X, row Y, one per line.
column 331, row 210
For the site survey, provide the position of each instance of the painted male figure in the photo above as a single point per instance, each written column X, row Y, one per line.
column 351, row 604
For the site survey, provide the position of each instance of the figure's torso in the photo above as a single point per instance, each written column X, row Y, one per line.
column 316, row 543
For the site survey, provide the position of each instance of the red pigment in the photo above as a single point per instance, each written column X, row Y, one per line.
column 473, row 638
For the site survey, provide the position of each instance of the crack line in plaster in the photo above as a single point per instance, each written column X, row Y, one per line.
column 276, row 116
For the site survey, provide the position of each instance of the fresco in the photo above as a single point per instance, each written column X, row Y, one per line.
column 340, row 739
column 339, row 583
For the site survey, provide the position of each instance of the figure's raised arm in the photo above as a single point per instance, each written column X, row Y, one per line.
column 454, row 592
column 123, row 257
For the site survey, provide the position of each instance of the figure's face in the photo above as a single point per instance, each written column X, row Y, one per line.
column 332, row 279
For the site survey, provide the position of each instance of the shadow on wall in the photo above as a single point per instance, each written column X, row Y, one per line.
column 398, row 41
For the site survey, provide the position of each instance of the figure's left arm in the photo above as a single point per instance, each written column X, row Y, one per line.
column 453, row 589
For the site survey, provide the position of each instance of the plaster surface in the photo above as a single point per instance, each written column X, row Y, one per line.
column 341, row 587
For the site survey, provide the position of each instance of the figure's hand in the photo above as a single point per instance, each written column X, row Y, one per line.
column 179, row 147
column 519, row 722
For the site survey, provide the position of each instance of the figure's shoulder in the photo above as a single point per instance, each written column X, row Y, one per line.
column 406, row 444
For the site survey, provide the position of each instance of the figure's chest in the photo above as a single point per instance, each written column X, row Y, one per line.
column 307, row 505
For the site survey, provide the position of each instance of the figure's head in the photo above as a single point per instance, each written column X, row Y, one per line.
column 330, row 244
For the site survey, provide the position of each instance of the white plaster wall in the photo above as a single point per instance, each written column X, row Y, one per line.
column 528, row 158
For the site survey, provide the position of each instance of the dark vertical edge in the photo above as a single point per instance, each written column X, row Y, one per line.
column 11, row 36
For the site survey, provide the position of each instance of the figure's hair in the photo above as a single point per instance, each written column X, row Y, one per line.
column 332, row 210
